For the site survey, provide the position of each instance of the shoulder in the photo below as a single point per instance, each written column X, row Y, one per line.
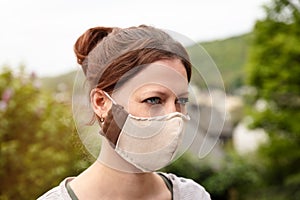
column 187, row 189
column 57, row 193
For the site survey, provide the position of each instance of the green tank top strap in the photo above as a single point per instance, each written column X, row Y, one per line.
column 71, row 192
column 168, row 182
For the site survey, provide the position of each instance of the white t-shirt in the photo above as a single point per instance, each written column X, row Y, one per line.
column 183, row 189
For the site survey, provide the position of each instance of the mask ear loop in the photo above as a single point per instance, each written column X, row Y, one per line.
column 110, row 98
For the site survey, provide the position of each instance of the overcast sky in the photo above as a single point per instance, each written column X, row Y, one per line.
column 41, row 33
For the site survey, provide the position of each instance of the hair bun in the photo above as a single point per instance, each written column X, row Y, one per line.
column 88, row 41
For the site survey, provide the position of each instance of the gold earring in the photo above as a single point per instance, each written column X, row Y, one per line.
column 102, row 119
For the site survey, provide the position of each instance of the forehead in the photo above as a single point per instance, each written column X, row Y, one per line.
column 168, row 74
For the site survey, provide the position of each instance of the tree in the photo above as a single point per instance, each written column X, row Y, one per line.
column 37, row 138
column 274, row 70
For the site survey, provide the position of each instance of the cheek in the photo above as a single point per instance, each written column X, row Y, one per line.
column 146, row 110
column 138, row 109
column 135, row 108
column 181, row 108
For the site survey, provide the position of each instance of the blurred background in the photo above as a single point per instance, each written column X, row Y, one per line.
column 255, row 45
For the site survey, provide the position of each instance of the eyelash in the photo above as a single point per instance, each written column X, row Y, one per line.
column 152, row 98
column 182, row 101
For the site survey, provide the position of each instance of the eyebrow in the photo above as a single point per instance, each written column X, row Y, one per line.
column 164, row 93
column 183, row 94
column 154, row 92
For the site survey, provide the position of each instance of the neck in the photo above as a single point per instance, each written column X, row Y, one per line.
column 111, row 177
column 101, row 181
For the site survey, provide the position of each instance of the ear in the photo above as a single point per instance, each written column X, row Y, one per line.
column 100, row 103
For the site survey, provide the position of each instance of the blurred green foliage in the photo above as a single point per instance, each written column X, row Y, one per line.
column 274, row 71
column 38, row 141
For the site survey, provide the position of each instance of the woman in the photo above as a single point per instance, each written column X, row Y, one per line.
column 138, row 80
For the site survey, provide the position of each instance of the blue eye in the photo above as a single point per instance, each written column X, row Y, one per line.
column 153, row 100
column 182, row 101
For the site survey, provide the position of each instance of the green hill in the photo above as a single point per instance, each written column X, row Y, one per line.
column 230, row 56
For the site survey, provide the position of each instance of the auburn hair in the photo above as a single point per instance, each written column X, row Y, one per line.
column 106, row 54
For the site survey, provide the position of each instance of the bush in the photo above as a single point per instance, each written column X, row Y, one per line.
column 37, row 137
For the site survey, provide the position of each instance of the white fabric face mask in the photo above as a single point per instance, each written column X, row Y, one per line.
column 148, row 143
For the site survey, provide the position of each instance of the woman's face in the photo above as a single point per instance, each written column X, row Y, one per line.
column 159, row 89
